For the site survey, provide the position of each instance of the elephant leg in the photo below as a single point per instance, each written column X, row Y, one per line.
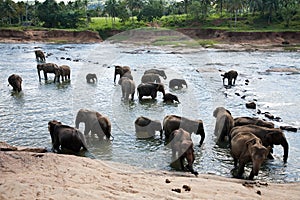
column 251, row 176
column 45, row 76
column 132, row 96
column 181, row 162
column 241, row 169
column 154, row 95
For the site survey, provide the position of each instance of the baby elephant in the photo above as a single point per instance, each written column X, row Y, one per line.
column 146, row 128
column 40, row 56
column 182, row 145
column 246, row 147
column 65, row 72
column 170, row 98
column 224, row 123
column 16, row 82
column 230, row 75
column 177, row 83
column 66, row 137
column 91, row 78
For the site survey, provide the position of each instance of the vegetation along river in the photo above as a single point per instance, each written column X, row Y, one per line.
column 24, row 116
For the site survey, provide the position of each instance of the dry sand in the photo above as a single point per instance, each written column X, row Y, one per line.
column 28, row 175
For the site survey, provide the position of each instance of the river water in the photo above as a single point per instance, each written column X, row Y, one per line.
column 24, row 116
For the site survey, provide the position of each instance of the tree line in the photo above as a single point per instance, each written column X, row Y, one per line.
column 76, row 14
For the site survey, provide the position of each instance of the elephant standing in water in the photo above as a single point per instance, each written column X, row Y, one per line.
column 48, row 68
column 224, row 123
column 182, row 145
column 174, row 122
column 16, row 82
column 150, row 78
column 145, row 127
column 170, row 98
column 40, row 56
column 246, row 147
column 156, row 71
column 122, row 71
column 268, row 136
column 66, row 137
column 65, row 72
column 150, row 89
column 230, row 75
column 240, row 121
column 94, row 123
column 128, row 88
column 177, row 83
column 91, row 78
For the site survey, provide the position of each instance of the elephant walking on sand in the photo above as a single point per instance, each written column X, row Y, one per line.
column 65, row 72
column 150, row 78
column 177, row 83
column 91, row 78
column 182, row 148
column 174, row 122
column 66, row 137
column 268, row 136
column 16, row 82
column 122, row 71
column 156, row 71
column 94, row 122
column 48, row 68
column 146, row 128
column 128, row 88
column 224, row 123
column 150, row 89
column 246, row 147
column 40, row 56
column 230, row 75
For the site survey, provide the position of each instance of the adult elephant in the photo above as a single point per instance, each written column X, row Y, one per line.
column 91, row 78
column 182, row 148
column 268, row 136
column 245, row 148
column 231, row 76
column 224, row 123
column 156, row 71
column 174, row 122
column 65, row 72
column 94, row 122
column 177, row 83
column 150, row 89
column 128, row 88
column 40, row 56
column 48, row 68
column 16, row 82
column 241, row 121
column 66, row 137
column 150, row 78
column 146, row 127
column 121, row 71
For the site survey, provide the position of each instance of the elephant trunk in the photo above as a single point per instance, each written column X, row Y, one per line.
column 115, row 75
column 285, row 146
column 39, row 74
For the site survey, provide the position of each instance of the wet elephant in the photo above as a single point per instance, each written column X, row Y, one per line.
column 40, row 56
column 128, row 88
column 146, row 127
column 174, row 122
column 245, row 148
column 170, row 98
column 94, row 122
column 150, row 89
column 182, row 148
column 121, row 71
column 268, row 136
column 48, row 68
column 156, row 71
column 224, row 123
column 65, row 72
column 231, row 76
column 66, row 137
column 150, row 78
column 240, row 121
column 91, row 78
column 16, row 82
column 177, row 83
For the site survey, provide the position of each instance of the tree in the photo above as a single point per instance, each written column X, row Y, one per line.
column 152, row 9
column 111, row 9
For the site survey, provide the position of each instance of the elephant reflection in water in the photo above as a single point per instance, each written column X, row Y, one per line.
column 95, row 123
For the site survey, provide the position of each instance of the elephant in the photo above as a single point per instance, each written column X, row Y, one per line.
column 150, row 78
column 268, row 136
column 128, row 88
column 150, row 89
column 66, row 137
column 126, row 75
column 48, row 68
column 16, row 82
column 230, row 75
column 156, row 71
column 182, row 145
column 40, row 56
column 145, row 127
column 94, row 122
column 224, row 123
column 121, row 71
column 174, row 122
column 91, row 78
column 177, row 83
column 170, row 98
column 245, row 148
column 240, row 121
column 65, row 72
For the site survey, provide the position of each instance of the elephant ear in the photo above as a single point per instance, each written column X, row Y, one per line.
column 251, row 142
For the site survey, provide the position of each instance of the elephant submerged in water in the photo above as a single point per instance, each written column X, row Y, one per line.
column 150, row 89
column 66, row 137
column 146, row 127
column 48, row 68
column 16, row 82
column 91, row 78
column 224, row 123
column 40, row 56
column 170, row 98
column 231, row 76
